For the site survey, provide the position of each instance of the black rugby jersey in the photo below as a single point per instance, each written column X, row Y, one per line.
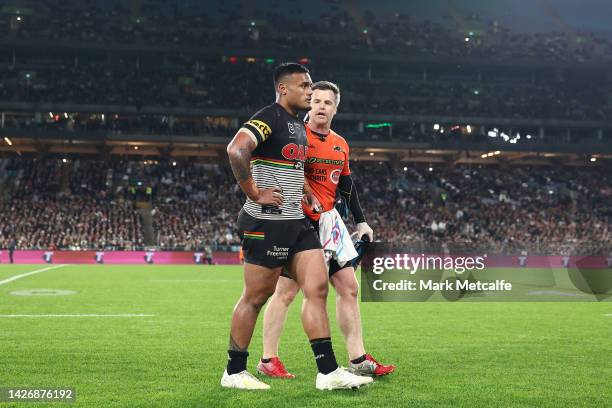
column 278, row 161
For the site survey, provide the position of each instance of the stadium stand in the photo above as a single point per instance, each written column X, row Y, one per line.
column 540, row 210
column 418, row 85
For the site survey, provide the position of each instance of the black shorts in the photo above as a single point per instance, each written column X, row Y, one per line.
column 333, row 264
column 271, row 243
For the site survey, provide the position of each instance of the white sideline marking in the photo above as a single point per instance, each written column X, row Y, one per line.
column 23, row 275
column 196, row 280
column 78, row 315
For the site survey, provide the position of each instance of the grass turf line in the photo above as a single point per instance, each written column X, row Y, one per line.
column 460, row 354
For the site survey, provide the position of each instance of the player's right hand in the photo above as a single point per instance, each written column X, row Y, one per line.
column 270, row 196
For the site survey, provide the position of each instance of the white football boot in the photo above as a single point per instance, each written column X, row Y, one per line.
column 243, row 380
column 341, row 379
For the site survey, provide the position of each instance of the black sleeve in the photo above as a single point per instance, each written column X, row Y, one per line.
column 262, row 124
column 347, row 189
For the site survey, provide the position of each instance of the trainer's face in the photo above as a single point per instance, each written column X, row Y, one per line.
column 297, row 90
column 323, row 107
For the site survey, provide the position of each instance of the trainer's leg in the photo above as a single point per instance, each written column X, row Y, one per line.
column 259, row 284
column 276, row 314
column 347, row 310
column 349, row 320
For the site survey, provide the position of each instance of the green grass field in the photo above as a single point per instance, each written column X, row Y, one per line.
column 448, row 354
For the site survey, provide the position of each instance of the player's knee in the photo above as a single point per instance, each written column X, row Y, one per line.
column 348, row 289
column 287, row 296
column 257, row 300
column 316, row 290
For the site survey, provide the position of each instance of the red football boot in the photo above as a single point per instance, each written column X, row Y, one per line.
column 273, row 368
column 371, row 367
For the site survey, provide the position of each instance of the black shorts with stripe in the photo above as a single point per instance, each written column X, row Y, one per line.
column 271, row 243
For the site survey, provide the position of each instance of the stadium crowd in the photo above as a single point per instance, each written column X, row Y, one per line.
column 545, row 210
column 238, row 87
column 173, row 78
column 92, row 204
column 51, row 204
column 197, row 205
column 70, row 222
column 192, row 24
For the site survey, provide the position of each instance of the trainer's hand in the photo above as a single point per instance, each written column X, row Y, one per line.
column 270, row 196
column 364, row 229
column 311, row 201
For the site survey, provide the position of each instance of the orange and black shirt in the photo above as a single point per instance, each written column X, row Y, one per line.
column 327, row 159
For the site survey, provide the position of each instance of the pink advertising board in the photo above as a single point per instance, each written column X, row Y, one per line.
column 232, row 258
column 118, row 257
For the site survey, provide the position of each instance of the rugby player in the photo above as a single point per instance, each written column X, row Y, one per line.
column 327, row 170
column 267, row 157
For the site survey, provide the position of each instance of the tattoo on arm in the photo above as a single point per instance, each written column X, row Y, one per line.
column 234, row 346
column 241, row 164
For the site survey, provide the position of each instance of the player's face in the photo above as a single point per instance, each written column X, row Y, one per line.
column 298, row 90
column 322, row 107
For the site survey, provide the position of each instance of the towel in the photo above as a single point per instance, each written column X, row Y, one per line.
column 335, row 238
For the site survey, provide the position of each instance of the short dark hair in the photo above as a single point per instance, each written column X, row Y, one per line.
column 328, row 86
column 288, row 68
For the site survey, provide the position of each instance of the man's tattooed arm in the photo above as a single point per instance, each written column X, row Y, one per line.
column 239, row 152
